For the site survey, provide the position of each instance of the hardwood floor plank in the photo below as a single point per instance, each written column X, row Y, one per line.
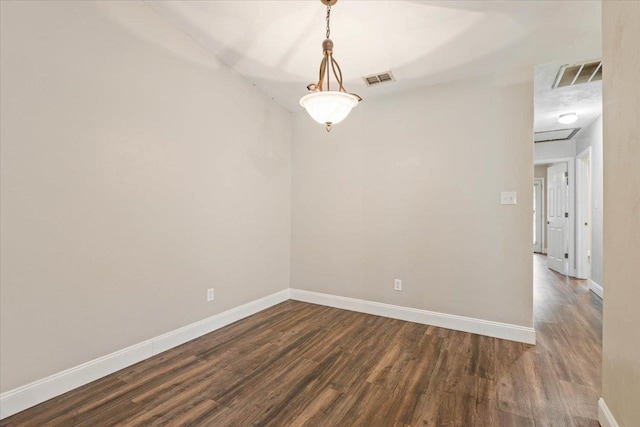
column 40, row 414
column 191, row 414
column 316, row 406
column 299, row 364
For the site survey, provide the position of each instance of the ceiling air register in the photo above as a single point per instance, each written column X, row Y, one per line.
column 324, row 105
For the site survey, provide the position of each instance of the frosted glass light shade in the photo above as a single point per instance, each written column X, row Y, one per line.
column 328, row 107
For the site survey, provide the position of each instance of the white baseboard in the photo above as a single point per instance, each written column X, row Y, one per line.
column 21, row 398
column 459, row 323
column 595, row 288
column 605, row 416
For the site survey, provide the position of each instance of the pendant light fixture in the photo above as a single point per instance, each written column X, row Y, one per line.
column 324, row 105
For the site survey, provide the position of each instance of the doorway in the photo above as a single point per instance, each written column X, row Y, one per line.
column 538, row 215
column 558, row 211
column 583, row 214
column 558, row 217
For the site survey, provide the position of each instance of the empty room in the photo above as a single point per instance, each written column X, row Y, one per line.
column 319, row 213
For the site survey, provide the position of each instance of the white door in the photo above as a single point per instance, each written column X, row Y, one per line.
column 557, row 217
column 537, row 215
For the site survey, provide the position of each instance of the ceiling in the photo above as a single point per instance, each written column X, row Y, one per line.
column 276, row 45
column 584, row 99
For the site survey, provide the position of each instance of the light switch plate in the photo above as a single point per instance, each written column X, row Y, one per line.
column 508, row 198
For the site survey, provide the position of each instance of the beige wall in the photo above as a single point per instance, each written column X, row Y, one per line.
column 540, row 171
column 136, row 173
column 408, row 187
column 621, row 338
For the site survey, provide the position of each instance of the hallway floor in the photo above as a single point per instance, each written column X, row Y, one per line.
column 568, row 323
column 303, row 364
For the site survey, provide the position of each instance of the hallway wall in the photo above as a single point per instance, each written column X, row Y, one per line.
column 554, row 150
column 621, row 340
column 591, row 136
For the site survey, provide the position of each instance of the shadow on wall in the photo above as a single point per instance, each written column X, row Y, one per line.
column 270, row 150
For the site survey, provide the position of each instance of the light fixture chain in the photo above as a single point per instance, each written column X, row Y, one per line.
column 328, row 19
column 324, row 105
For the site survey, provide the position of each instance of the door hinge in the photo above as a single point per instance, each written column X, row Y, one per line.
column 566, row 214
column 566, row 256
column 566, row 175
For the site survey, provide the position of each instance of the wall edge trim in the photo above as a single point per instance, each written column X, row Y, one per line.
column 605, row 417
column 449, row 321
column 26, row 396
column 596, row 289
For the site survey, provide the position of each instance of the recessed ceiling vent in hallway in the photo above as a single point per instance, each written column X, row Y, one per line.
column 376, row 79
column 571, row 75
column 555, row 135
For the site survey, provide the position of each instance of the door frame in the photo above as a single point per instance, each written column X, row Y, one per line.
column 543, row 213
column 571, row 224
column 582, row 199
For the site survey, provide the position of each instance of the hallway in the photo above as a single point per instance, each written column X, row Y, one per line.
column 568, row 356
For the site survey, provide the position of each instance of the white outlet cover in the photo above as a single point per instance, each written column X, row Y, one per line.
column 210, row 295
column 508, row 197
column 397, row 285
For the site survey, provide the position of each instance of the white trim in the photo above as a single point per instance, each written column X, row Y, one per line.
column 543, row 214
column 21, row 398
column 596, row 289
column 572, row 218
column 571, row 224
column 582, row 205
column 459, row 323
column 605, row 416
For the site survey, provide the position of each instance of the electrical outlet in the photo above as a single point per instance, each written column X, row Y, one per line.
column 397, row 285
column 210, row 294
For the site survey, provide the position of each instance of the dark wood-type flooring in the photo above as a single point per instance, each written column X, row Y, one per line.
column 302, row 364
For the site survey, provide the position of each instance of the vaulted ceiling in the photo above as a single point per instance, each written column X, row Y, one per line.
column 276, row 45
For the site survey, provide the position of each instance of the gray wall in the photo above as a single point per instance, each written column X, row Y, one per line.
column 591, row 136
column 554, row 149
column 621, row 339
column 137, row 172
column 402, row 189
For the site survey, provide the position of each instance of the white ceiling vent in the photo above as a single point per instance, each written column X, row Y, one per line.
column 555, row 135
column 570, row 75
column 380, row 78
